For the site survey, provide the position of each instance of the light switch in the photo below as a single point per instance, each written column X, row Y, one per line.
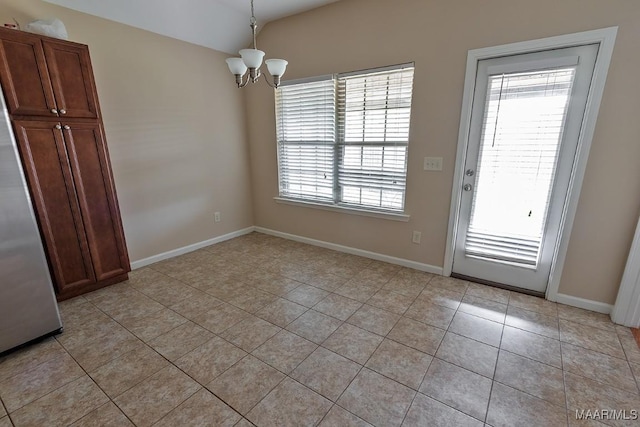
column 433, row 163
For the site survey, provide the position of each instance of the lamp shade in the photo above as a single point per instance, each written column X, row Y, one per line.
column 276, row 67
column 236, row 66
column 252, row 57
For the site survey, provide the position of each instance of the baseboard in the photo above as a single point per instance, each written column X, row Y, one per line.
column 190, row 248
column 353, row 251
column 587, row 304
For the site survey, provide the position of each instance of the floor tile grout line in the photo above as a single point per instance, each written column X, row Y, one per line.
column 97, row 385
column 493, row 378
column 599, row 382
column 149, row 376
column 58, row 385
column 202, row 386
column 594, row 351
column 362, row 367
column 564, row 384
column 427, row 371
column 139, row 382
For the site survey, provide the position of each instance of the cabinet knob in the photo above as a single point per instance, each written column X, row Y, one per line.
column 54, row 111
column 63, row 111
column 58, row 126
column 67, row 127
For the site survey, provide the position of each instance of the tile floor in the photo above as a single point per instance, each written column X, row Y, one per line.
column 268, row 332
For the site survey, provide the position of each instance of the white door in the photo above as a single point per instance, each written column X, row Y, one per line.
column 525, row 123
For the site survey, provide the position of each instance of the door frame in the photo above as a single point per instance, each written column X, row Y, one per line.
column 605, row 37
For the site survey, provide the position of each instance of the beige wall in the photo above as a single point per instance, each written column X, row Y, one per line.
column 356, row 34
column 175, row 128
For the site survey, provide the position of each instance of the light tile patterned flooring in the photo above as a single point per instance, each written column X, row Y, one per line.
column 268, row 332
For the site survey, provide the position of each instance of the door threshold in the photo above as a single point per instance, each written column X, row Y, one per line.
column 498, row 285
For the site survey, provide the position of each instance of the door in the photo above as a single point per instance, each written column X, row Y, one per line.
column 72, row 79
column 525, row 123
column 48, row 172
column 96, row 197
column 24, row 75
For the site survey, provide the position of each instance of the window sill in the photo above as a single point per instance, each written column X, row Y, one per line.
column 402, row 217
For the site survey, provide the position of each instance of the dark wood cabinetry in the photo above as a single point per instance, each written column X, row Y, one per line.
column 51, row 96
column 45, row 77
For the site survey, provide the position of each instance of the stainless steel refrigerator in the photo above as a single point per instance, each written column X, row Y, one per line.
column 28, row 308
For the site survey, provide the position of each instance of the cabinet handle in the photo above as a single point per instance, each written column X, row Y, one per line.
column 67, row 127
column 54, row 111
column 58, row 126
column 63, row 111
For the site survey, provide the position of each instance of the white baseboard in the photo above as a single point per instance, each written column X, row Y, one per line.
column 190, row 248
column 587, row 304
column 353, row 251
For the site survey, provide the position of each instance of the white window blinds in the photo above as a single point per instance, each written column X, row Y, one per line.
column 374, row 113
column 343, row 140
column 521, row 137
column 305, row 125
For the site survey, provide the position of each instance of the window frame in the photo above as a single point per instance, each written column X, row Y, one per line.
column 336, row 203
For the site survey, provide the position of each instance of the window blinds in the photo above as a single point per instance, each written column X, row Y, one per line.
column 521, row 136
column 343, row 140
column 373, row 129
column 306, row 135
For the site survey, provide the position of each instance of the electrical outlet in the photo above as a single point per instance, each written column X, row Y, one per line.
column 216, row 217
column 415, row 238
column 433, row 163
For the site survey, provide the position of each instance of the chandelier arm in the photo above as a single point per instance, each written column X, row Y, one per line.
column 266, row 79
column 241, row 83
column 276, row 81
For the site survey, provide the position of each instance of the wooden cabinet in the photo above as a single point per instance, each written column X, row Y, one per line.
column 53, row 105
column 69, row 176
column 46, row 165
column 71, row 78
column 24, row 75
column 45, row 77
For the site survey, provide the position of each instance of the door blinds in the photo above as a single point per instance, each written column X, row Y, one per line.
column 521, row 136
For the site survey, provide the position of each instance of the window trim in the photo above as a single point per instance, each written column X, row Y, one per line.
column 336, row 204
column 343, row 208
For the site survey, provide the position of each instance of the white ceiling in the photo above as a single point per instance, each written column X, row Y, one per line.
column 218, row 24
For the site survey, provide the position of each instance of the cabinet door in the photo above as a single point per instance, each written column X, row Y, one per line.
column 46, row 164
column 96, row 195
column 72, row 79
column 24, row 76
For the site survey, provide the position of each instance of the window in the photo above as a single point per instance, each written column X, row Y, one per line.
column 343, row 139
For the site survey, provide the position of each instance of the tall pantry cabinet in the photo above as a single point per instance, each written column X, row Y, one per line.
column 50, row 92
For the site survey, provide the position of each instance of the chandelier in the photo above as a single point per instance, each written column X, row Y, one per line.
column 251, row 59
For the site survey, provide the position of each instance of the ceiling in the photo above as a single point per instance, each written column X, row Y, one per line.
column 218, row 24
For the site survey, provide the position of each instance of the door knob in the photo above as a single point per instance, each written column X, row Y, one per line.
column 58, row 126
column 54, row 111
column 470, row 172
column 63, row 111
column 67, row 127
column 468, row 187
